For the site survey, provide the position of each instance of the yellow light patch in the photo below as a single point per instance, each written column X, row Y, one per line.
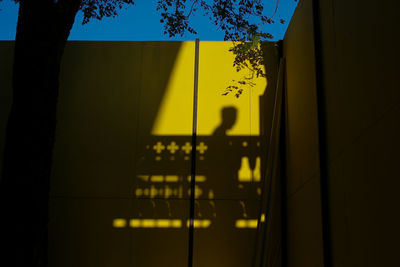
column 240, row 224
column 259, row 191
column 171, row 178
column 134, row 223
column 168, row 192
column 197, row 192
column 176, row 223
column 257, row 170
column 119, row 223
column 153, row 192
column 163, row 223
column 198, row 178
column 199, row 223
column 252, row 223
column 262, row 218
column 155, row 223
column 148, row 223
column 138, row 192
column 244, row 173
column 157, row 178
column 205, row 223
column 246, row 223
column 215, row 74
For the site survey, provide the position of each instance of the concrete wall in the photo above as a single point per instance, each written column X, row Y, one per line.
column 359, row 99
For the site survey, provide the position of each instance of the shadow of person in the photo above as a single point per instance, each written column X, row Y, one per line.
column 223, row 160
column 228, row 118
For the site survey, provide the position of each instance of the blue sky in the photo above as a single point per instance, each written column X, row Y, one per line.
column 141, row 22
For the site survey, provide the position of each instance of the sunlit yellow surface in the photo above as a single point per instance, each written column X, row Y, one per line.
column 155, row 223
column 158, row 148
column 163, row 223
column 197, row 191
column 215, row 74
column 175, row 116
column 159, row 223
column 153, row 192
column 176, row 223
column 244, row 173
column 198, row 178
column 246, row 223
column 134, row 223
column 172, row 147
column 257, row 170
column 157, row 178
column 199, row 223
column 165, row 192
column 168, row 192
column 178, row 98
column 148, row 223
column 139, row 192
column 119, row 223
column 171, row 178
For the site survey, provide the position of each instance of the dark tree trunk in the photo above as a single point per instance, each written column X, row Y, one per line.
column 42, row 30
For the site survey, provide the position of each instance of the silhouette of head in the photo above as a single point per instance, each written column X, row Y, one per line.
column 228, row 117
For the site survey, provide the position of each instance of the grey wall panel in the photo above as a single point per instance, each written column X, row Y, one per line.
column 360, row 74
column 360, row 68
column 302, row 127
column 304, row 226
column 98, row 115
column 80, row 233
column 304, row 233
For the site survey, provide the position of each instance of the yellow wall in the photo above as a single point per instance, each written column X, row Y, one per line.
column 120, row 182
column 216, row 74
